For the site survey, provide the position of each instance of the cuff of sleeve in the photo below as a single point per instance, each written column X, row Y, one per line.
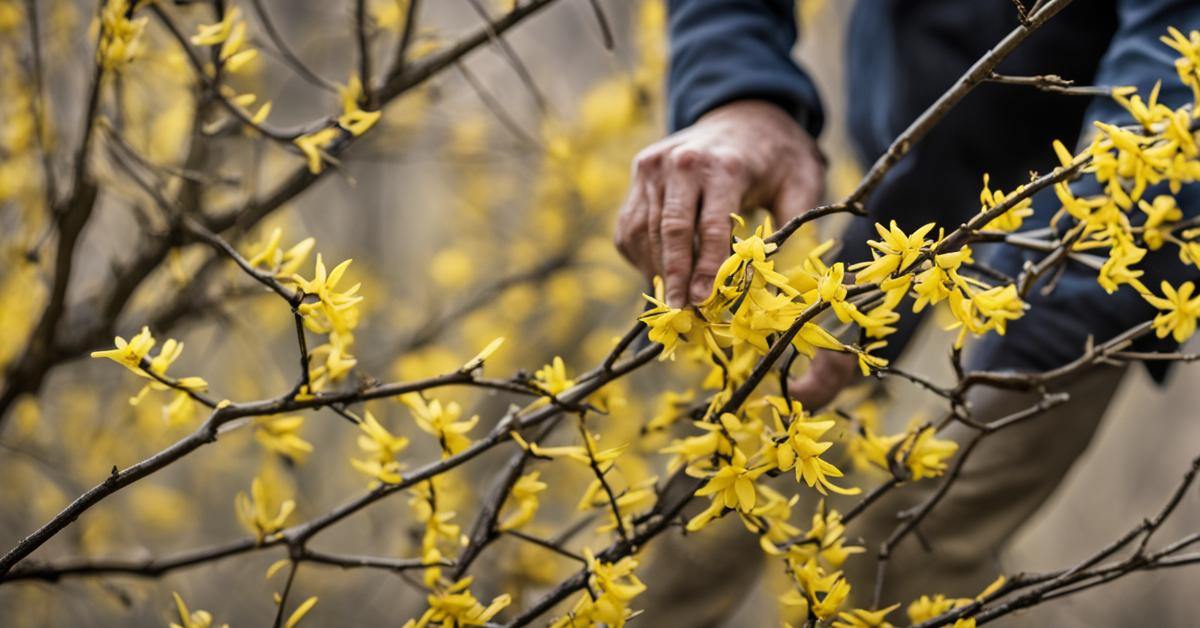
column 795, row 94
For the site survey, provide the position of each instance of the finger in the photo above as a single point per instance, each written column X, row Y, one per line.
column 632, row 225
column 828, row 374
column 681, row 195
column 652, row 190
column 800, row 192
column 723, row 194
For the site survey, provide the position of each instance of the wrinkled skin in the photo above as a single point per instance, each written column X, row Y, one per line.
column 675, row 222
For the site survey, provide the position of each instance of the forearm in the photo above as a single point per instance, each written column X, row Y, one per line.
column 727, row 50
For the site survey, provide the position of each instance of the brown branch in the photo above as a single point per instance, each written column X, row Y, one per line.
column 285, row 51
column 510, row 55
column 1075, row 579
column 350, row 561
column 281, row 601
column 364, row 53
column 407, row 35
column 496, row 108
column 148, row 568
column 26, row 373
column 550, row 545
column 40, row 112
column 1050, row 83
column 483, row 529
column 211, row 83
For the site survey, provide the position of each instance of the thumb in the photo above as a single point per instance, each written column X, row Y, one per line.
column 801, row 191
column 829, row 373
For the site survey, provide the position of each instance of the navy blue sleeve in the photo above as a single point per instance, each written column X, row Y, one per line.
column 1137, row 57
column 727, row 50
column 1057, row 325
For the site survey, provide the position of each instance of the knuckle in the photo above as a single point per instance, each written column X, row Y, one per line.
column 728, row 164
column 685, row 158
column 676, row 266
column 713, row 230
column 647, row 161
column 675, row 226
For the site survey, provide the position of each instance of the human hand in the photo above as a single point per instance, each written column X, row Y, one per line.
column 675, row 221
column 828, row 374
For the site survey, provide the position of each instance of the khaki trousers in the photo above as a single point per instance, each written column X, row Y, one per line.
column 702, row 579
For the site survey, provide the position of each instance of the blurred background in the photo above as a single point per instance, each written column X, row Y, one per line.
column 481, row 206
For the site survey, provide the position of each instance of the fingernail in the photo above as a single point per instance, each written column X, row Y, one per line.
column 676, row 299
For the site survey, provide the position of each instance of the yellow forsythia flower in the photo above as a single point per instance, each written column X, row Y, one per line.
column 457, row 606
column 120, row 37
column 382, row 448
column 525, row 495
column 192, row 619
column 1180, row 310
column 442, row 422
column 263, row 513
column 862, row 618
column 613, row 586
column 667, row 324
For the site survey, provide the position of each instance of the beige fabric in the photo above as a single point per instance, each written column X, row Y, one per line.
column 701, row 580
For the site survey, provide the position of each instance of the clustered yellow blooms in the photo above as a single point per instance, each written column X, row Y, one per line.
column 814, row 561
column 795, row 446
column 552, row 378
column 922, row 610
column 753, row 303
column 926, row 608
column 818, row 592
column 666, row 324
column 334, row 313
column 1179, row 311
column 1010, row 220
column 450, row 603
column 325, row 310
column 441, row 422
column 234, row 55
column 732, row 478
column 230, row 34
column 264, row 512
column 1188, row 64
column 923, row 454
column 353, row 121
column 611, row 588
column 1126, row 161
column 282, row 264
column 135, row 356
column 120, row 37
column 381, row 448
column 455, row 605
column 524, row 496
column 825, row 541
